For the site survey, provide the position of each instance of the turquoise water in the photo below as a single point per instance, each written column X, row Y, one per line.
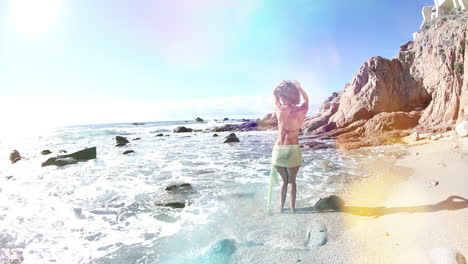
column 103, row 211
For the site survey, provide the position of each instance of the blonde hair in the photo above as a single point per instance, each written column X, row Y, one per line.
column 288, row 92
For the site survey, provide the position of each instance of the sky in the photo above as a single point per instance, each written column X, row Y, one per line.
column 70, row 62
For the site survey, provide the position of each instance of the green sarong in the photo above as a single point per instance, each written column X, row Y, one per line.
column 287, row 156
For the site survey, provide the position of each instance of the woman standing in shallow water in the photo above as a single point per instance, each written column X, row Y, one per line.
column 286, row 156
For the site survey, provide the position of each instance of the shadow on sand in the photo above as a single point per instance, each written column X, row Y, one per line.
column 451, row 203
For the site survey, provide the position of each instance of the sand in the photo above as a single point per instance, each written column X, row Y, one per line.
column 411, row 207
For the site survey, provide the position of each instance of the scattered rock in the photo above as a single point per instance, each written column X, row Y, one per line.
column 172, row 203
column 215, row 135
column 128, row 152
column 462, row 129
column 137, row 138
column 182, row 129
column 247, row 126
column 15, row 156
column 61, row 160
column 167, row 135
column 8, row 177
column 160, row 135
column 434, row 183
column 46, row 152
column 180, row 188
column 62, row 151
column 198, row 119
column 225, row 119
column 138, row 124
column 316, row 235
column 231, row 138
column 446, row 256
column 121, row 141
column 331, row 202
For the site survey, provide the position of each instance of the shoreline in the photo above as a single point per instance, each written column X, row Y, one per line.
column 399, row 215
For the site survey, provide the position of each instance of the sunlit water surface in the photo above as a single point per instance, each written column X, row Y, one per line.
column 103, row 211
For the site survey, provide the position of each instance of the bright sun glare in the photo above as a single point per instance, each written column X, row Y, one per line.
column 33, row 18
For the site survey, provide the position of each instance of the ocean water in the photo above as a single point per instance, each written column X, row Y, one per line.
column 103, row 210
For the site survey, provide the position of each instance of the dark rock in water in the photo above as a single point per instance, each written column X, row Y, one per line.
column 197, row 130
column 198, row 119
column 46, row 152
column 61, row 160
column 121, row 141
column 15, row 156
column 331, row 202
column 247, row 126
column 62, row 151
column 136, row 138
column 225, row 119
column 8, row 177
column 182, row 129
column 167, row 135
column 231, row 138
column 159, row 135
column 173, row 204
column 215, row 135
column 128, row 151
column 138, row 124
column 179, row 188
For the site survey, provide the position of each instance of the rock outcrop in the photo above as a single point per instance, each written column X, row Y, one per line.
column 423, row 87
column 61, row 160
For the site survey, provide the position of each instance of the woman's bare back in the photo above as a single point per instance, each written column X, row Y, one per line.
column 290, row 120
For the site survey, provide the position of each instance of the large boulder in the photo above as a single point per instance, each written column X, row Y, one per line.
column 15, row 156
column 198, row 119
column 182, row 129
column 121, row 141
column 46, row 152
column 61, row 160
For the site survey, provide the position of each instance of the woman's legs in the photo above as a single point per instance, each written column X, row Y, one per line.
column 292, row 188
column 284, row 187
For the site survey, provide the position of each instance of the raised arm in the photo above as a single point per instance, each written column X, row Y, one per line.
column 305, row 104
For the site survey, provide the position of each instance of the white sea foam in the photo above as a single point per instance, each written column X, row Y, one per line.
column 103, row 209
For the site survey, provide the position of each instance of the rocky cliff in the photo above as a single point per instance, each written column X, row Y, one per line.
column 423, row 88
